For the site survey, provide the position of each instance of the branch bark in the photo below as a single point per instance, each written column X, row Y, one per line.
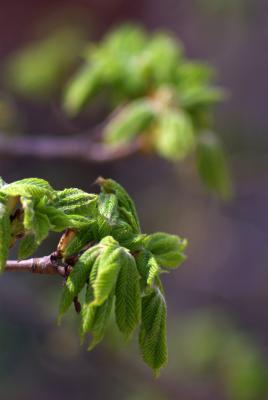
column 47, row 265
column 81, row 147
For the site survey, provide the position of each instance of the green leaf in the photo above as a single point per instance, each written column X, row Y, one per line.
column 80, row 238
column 108, row 204
column 110, row 262
column 123, row 233
column 162, row 56
column 129, row 218
column 95, row 319
column 152, row 338
column 101, row 318
column 34, row 220
column 125, row 40
column 201, row 96
column 174, row 135
column 128, row 298
column 134, row 243
column 76, row 201
column 167, row 249
column 5, row 235
column 142, row 258
column 60, row 221
column 28, row 212
column 78, row 221
column 147, row 266
column 82, row 88
column 57, row 219
column 29, row 187
column 130, row 121
column 192, row 74
column 28, row 245
column 124, row 200
column 212, row 166
column 153, row 269
column 78, row 277
column 41, row 226
column 108, row 215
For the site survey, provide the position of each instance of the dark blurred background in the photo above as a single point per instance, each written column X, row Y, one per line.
column 217, row 301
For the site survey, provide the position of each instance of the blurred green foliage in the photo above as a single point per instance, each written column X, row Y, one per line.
column 37, row 70
column 157, row 96
column 206, row 346
column 162, row 98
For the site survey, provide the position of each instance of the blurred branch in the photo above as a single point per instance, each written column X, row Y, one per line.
column 48, row 265
column 49, row 147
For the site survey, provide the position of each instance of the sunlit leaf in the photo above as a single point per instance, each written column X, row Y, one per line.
column 130, row 121
column 5, row 235
column 152, row 339
column 168, row 250
column 127, row 292
column 174, row 135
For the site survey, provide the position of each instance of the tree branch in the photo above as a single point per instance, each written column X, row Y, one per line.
column 47, row 265
column 81, row 147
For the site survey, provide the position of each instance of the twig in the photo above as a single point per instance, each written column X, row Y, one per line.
column 47, row 265
column 81, row 147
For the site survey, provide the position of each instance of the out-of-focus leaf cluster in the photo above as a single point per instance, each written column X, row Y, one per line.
column 118, row 266
column 162, row 98
column 156, row 94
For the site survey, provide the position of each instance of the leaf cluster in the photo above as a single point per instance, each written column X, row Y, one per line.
column 161, row 97
column 157, row 96
column 118, row 266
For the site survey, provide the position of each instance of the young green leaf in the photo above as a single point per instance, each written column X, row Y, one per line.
column 28, row 245
column 95, row 318
column 76, row 201
column 201, row 96
column 152, row 338
column 162, row 56
column 101, row 318
column 124, row 200
column 174, row 135
column 153, row 269
column 57, row 219
column 77, row 241
column 5, row 235
column 28, row 213
column 147, row 266
column 130, row 121
column 127, row 292
column 41, row 226
column 123, row 233
column 108, row 207
column 82, row 88
column 29, row 187
column 78, row 277
column 108, row 215
column 212, row 165
column 110, row 262
column 129, row 218
column 167, row 249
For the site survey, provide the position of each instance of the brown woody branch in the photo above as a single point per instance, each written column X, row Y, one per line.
column 81, row 147
column 47, row 265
